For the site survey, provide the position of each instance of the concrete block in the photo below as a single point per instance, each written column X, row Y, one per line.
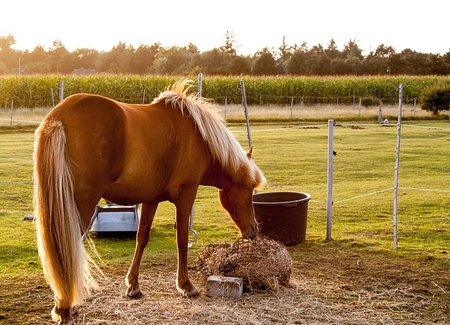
column 224, row 286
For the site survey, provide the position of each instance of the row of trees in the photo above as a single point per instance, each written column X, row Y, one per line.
column 156, row 59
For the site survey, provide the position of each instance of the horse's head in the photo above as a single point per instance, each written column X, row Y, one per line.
column 237, row 199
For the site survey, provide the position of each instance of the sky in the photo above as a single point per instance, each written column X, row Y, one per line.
column 422, row 26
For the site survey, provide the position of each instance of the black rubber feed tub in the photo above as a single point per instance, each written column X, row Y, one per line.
column 282, row 215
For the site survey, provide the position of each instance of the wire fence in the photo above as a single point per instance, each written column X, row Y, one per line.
column 364, row 173
column 358, row 187
column 296, row 108
column 417, row 151
column 321, row 110
column 38, row 101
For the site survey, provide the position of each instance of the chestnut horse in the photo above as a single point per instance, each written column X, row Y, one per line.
column 90, row 147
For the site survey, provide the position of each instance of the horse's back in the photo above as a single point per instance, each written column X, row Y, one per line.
column 94, row 128
column 120, row 149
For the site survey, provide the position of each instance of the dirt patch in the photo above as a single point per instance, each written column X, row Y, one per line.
column 328, row 286
column 308, row 301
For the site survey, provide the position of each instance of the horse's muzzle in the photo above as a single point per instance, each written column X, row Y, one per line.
column 251, row 232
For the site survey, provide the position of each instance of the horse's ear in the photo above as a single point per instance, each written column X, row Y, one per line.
column 250, row 153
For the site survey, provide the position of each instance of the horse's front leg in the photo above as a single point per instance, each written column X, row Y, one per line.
column 143, row 234
column 184, row 207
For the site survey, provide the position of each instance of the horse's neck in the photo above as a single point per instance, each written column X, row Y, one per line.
column 215, row 176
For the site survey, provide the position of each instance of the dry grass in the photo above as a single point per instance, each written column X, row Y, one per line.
column 22, row 116
column 319, row 112
column 328, row 286
column 25, row 116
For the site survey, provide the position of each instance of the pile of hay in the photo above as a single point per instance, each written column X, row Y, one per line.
column 262, row 263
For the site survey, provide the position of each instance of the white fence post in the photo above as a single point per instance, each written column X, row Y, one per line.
column 61, row 90
column 330, row 178
column 380, row 113
column 359, row 108
column 200, row 84
column 397, row 162
column 53, row 97
column 191, row 216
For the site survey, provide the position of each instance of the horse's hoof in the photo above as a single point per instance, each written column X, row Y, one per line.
column 74, row 311
column 134, row 292
column 62, row 316
column 191, row 294
column 188, row 293
column 66, row 322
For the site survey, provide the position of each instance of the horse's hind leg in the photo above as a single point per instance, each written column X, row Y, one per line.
column 63, row 309
column 143, row 234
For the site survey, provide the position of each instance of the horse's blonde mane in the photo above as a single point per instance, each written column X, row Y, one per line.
column 222, row 144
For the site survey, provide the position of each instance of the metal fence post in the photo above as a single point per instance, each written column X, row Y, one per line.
column 397, row 163
column 244, row 102
column 53, row 97
column 200, row 84
column 330, row 178
column 359, row 108
column 380, row 113
column 192, row 215
column 292, row 105
column 61, row 90
column 225, row 109
column 11, row 113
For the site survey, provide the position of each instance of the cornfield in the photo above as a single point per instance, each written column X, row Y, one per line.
column 43, row 90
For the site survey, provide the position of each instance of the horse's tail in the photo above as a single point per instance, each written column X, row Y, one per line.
column 64, row 259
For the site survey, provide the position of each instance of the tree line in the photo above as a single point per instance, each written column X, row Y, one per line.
column 187, row 60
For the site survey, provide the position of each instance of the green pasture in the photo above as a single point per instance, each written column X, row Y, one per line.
column 293, row 158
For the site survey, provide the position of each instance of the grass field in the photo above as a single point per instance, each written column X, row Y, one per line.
column 357, row 278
